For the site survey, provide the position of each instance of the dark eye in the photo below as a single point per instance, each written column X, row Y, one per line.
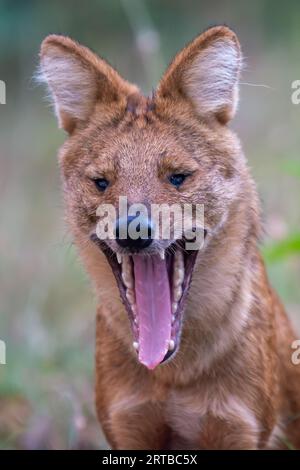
column 101, row 184
column 177, row 179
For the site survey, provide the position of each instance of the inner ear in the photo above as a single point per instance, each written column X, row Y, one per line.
column 206, row 73
column 78, row 79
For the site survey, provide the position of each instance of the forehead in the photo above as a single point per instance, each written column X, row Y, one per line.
column 126, row 149
column 142, row 135
column 142, row 152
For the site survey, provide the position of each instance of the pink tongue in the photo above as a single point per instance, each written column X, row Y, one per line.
column 152, row 291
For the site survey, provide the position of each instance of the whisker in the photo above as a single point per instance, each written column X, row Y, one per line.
column 259, row 85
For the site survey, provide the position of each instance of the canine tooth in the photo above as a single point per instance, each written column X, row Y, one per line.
column 126, row 264
column 162, row 254
column 177, row 293
column 130, row 296
column 178, row 259
column 119, row 258
column 127, row 279
column 135, row 344
column 127, row 272
column 171, row 345
column 174, row 307
column 178, row 276
column 178, row 272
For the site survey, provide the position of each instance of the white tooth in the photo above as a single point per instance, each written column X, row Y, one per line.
column 178, row 259
column 127, row 279
column 173, row 319
column 119, row 258
column 174, row 307
column 136, row 322
column 178, row 272
column 126, row 262
column 133, row 308
column 130, row 296
column 135, row 344
column 162, row 254
column 178, row 276
column 127, row 272
column 171, row 345
column 177, row 293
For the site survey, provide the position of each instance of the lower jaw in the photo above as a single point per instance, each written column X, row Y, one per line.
column 172, row 255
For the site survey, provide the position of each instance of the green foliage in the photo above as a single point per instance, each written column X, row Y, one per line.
column 291, row 167
column 282, row 249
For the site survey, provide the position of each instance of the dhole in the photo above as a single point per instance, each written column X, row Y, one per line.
column 227, row 381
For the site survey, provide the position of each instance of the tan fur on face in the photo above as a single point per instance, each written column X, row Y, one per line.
column 232, row 384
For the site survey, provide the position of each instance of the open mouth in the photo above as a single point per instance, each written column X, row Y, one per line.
column 153, row 288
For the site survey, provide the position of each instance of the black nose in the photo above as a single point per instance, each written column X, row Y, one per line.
column 132, row 234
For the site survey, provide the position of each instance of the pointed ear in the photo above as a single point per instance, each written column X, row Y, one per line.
column 78, row 79
column 206, row 72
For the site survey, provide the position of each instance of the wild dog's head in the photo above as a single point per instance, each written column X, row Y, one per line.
column 172, row 148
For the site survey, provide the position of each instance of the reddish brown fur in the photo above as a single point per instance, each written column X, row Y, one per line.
column 232, row 381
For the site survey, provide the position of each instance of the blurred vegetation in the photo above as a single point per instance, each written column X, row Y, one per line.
column 47, row 310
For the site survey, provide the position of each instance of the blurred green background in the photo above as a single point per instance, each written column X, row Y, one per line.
column 47, row 308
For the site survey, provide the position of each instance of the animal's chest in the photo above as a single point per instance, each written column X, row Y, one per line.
column 198, row 419
column 193, row 418
column 184, row 414
column 184, row 423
